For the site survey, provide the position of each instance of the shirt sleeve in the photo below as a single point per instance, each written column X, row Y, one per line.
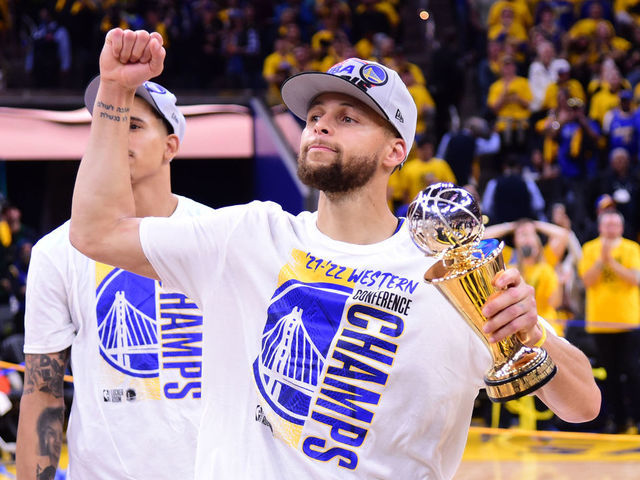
column 190, row 253
column 48, row 324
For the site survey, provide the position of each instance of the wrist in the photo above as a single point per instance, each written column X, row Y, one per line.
column 535, row 337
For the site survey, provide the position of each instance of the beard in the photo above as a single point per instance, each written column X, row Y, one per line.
column 338, row 176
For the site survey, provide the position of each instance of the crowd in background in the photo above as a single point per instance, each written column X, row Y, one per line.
column 531, row 104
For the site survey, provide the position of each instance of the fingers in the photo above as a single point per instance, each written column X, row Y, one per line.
column 139, row 46
column 129, row 46
column 114, row 40
column 156, row 63
column 511, row 310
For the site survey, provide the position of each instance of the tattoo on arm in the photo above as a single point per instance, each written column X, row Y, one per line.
column 49, row 428
column 113, row 113
column 46, row 473
column 45, row 373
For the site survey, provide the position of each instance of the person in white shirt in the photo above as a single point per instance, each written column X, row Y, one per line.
column 329, row 357
column 135, row 347
column 543, row 71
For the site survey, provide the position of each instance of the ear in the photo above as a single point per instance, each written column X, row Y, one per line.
column 397, row 153
column 171, row 146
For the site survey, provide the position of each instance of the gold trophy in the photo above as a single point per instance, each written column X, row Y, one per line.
column 445, row 221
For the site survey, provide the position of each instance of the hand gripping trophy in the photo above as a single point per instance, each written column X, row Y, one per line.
column 445, row 220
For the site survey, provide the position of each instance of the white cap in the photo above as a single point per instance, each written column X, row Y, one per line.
column 161, row 99
column 373, row 84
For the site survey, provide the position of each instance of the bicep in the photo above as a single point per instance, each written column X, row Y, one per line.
column 119, row 247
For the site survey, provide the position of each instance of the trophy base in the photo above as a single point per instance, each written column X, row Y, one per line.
column 529, row 369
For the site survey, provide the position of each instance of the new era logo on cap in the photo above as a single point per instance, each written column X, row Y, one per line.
column 375, row 85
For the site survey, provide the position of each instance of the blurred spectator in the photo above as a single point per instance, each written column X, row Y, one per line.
column 543, row 71
column 528, row 255
column 509, row 99
column 610, row 270
column 622, row 184
column 608, row 97
column 48, row 60
column 509, row 28
column 241, row 47
column 277, row 67
column 205, row 41
column 423, row 100
column 373, row 16
column 546, row 26
column 488, row 72
column 114, row 17
column 522, row 15
column 458, row 149
column 562, row 73
column 578, row 142
column 81, row 18
column 620, row 125
column 424, row 170
column 511, row 196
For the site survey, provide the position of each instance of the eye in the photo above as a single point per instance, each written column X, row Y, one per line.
column 348, row 119
column 133, row 126
column 313, row 118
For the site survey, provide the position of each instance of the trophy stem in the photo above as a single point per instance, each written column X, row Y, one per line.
column 517, row 369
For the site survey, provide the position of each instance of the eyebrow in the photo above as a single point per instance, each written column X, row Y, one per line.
column 137, row 119
column 342, row 104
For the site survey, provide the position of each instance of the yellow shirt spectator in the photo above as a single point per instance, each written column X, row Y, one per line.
column 551, row 93
column 602, row 102
column 511, row 109
column 611, row 292
column 515, row 32
column 275, row 69
column 522, row 14
column 418, row 175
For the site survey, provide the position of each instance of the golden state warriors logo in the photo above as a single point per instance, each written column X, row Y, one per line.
column 127, row 325
column 301, row 322
column 374, row 74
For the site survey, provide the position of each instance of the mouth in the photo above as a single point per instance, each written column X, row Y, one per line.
column 320, row 147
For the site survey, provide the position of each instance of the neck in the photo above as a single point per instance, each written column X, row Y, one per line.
column 154, row 199
column 360, row 217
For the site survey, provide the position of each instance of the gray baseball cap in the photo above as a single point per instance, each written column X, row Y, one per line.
column 373, row 84
column 161, row 99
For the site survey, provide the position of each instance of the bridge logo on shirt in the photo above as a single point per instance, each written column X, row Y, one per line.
column 127, row 325
column 149, row 333
column 301, row 323
column 326, row 352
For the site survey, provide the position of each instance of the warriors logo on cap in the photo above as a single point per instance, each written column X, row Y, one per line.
column 374, row 74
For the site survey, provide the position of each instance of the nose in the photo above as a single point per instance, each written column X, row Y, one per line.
column 322, row 126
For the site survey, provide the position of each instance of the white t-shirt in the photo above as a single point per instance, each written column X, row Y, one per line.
column 325, row 360
column 136, row 357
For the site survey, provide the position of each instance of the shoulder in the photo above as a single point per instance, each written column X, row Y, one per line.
column 55, row 241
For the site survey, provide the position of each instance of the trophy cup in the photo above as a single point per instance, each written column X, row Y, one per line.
column 445, row 220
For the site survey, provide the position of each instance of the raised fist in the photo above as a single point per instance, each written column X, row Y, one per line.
column 130, row 58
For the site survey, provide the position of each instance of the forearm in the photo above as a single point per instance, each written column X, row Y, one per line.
column 499, row 230
column 33, row 462
column 592, row 275
column 103, row 194
column 41, row 416
column 627, row 274
column 573, row 380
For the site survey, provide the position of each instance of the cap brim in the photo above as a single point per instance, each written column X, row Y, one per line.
column 299, row 91
column 91, row 92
